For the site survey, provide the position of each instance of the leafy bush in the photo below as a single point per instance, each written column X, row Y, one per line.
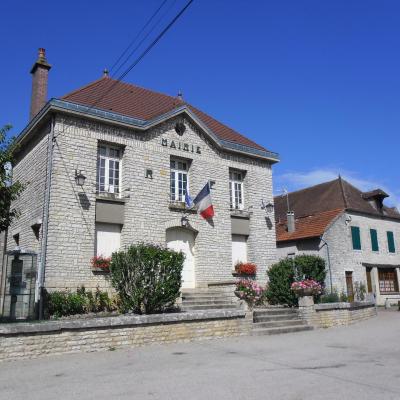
column 284, row 273
column 330, row 297
column 147, row 277
column 250, row 291
column 65, row 303
column 246, row 268
column 310, row 267
column 281, row 276
column 360, row 291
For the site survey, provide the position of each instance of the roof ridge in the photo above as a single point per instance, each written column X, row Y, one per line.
column 84, row 87
column 307, row 188
column 346, row 205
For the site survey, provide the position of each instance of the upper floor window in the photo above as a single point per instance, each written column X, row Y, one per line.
column 374, row 239
column 390, row 240
column 109, row 170
column 179, row 180
column 356, row 237
column 236, row 189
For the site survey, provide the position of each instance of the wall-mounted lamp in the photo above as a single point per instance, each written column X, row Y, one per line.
column 268, row 207
column 184, row 221
column 79, row 178
column 149, row 174
column 212, row 184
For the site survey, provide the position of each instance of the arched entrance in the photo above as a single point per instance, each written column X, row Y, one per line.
column 181, row 239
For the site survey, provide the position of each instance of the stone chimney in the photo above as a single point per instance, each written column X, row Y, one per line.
column 291, row 224
column 40, row 72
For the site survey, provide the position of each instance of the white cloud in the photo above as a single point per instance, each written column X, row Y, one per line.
column 299, row 180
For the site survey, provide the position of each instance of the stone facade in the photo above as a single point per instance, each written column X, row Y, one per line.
column 101, row 334
column 342, row 256
column 147, row 211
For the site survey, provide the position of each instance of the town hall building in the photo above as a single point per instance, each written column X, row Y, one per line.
column 109, row 164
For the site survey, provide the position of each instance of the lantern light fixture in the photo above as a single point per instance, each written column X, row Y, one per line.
column 79, row 178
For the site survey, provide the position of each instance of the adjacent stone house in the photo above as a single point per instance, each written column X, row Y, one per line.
column 109, row 165
column 358, row 236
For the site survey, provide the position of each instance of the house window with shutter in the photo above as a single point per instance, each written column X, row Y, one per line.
column 390, row 240
column 356, row 237
column 374, row 239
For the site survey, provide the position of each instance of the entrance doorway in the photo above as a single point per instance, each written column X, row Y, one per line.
column 180, row 239
column 349, row 285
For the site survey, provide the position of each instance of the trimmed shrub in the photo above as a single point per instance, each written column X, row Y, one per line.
column 147, row 277
column 330, row 297
column 281, row 276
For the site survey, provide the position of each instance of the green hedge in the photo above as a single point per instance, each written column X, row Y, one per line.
column 64, row 303
column 147, row 277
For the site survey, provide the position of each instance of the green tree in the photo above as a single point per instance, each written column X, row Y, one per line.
column 9, row 190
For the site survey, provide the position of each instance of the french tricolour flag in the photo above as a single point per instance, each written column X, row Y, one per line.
column 204, row 203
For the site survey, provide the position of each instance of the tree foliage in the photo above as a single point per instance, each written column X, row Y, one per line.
column 147, row 277
column 9, row 190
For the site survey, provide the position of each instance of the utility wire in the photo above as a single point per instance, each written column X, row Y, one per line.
column 138, row 35
column 148, row 48
column 144, row 38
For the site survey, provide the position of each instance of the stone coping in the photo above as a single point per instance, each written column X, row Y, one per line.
column 344, row 306
column 13, row 329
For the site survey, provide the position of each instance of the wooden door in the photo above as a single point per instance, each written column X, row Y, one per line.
column 369, row 280
column 349, row 285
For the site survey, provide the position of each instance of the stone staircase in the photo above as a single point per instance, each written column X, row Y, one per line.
column 271, row 321
column 207, row 299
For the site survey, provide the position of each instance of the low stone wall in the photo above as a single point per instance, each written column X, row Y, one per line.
column 31, row 340
column 334, row 314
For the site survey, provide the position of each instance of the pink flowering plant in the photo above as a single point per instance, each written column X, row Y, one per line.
column 307, row 287
column 250, row 291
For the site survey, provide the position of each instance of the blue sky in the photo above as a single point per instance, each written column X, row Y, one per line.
column 317, row 81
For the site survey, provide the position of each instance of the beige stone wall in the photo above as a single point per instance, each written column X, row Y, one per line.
column 22, row 346
column 320, row 316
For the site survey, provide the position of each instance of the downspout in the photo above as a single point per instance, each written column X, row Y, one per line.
column 43, row 250
column 2, row 276
column 329, row 261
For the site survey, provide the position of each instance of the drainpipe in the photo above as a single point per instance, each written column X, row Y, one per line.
column 2, row 276
column 329, row 261
column 43, row 249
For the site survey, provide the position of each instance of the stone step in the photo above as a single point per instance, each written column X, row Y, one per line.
column 209, row 307
column 204, row 297
column 200, row 302
column 278, row 324
column 275, row 317
column 275, row 311
column 279, row 330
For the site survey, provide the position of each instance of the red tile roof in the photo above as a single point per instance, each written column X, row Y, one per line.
column 306, row 227
column 140, row 103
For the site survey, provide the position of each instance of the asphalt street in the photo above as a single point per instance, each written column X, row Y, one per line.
column 361, row 361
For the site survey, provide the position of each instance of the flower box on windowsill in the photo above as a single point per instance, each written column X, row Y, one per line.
column 240, row 275
column 98, row 270
column 180, row 206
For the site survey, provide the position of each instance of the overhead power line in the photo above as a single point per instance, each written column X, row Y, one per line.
column 138, row 35
column 143, row 54
column 145, row 37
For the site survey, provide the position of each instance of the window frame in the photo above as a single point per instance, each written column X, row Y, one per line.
column 390, row 242
column 108, row 158
column 357, row 229
column 373, row 233
column 236, row 202
column 385, row 281
column 177, row 174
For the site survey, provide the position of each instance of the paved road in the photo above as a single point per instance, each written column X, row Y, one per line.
column 357, row 362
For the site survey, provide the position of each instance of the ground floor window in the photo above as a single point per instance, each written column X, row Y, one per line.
column 108, row 239
column 388, row 280
column 239, row 249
